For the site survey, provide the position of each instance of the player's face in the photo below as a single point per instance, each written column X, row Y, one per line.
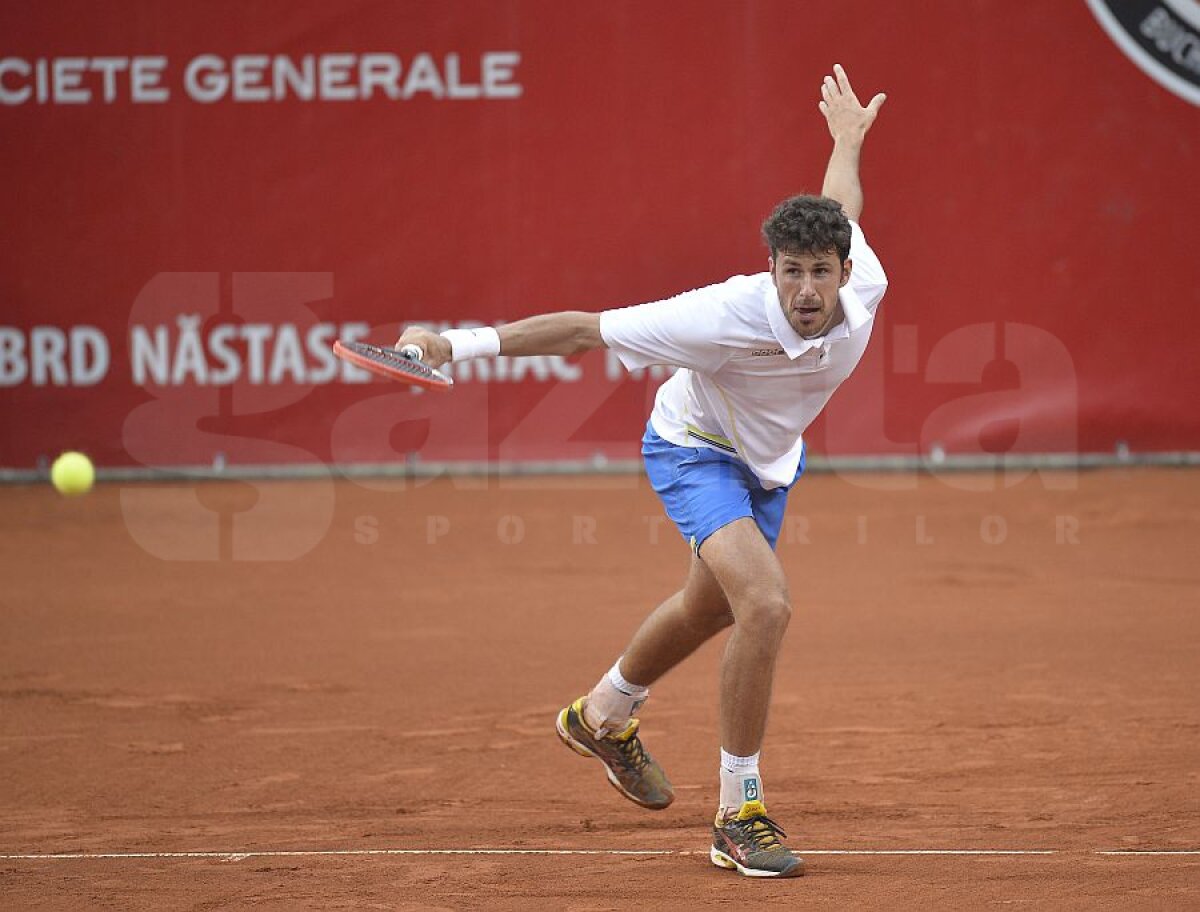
column 808, row 286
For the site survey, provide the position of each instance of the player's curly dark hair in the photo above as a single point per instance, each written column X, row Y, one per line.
column 808, row 224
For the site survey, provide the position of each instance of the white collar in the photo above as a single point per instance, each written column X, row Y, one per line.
column 854, row 317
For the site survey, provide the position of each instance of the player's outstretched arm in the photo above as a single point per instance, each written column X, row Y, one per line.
column 564, row 333
column 848, row 124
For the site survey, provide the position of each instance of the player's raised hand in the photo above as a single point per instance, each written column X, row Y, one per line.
column 846, row 116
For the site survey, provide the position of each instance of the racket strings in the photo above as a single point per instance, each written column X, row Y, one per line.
column 393, row 364
column 395, row 360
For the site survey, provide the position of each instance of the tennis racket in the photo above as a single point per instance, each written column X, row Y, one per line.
column 404, row 365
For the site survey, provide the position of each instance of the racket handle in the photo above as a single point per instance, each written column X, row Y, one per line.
column 413, row 352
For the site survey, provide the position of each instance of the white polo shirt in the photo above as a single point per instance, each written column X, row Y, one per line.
column 749, row 384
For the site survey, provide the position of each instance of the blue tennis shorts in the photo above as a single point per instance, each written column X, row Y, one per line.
column 704, row 489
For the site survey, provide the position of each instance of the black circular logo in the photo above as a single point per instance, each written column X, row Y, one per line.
column 1160, row 36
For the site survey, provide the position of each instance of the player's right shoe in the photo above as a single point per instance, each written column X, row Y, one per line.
column 750, row 843
column 631, row 770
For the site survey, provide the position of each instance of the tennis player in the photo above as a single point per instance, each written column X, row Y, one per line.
column 759, row 357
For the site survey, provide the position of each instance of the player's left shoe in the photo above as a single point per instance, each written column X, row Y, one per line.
column 631, row 770
column 750, row 844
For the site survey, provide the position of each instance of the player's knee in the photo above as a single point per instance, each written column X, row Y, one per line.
column 766, row 612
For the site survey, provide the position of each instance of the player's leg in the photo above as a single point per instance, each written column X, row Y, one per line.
column 601, row 723
column 743, row 562
column 671, row 633
column 753, row 582
column 678, row 627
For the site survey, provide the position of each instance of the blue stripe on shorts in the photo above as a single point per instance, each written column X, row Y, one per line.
column 704, row 489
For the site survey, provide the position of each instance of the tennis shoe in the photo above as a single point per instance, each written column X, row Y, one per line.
column 750, row 844
column 631, row 770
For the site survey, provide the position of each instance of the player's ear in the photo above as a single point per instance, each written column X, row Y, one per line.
column 846, row 269
column 771, row 267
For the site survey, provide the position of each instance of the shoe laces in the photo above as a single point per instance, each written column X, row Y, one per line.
column 761, row 831
column 631, row 749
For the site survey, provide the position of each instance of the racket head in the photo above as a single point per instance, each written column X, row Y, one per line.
column 392, row 364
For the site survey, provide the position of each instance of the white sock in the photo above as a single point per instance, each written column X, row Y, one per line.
column 740, row 782
column 612, row 702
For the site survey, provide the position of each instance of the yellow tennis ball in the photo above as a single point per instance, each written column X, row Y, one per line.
column 72, row 474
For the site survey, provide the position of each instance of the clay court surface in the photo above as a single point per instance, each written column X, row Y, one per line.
column 1006, row 670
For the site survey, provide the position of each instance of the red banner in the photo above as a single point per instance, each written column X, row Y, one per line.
column 198, row 199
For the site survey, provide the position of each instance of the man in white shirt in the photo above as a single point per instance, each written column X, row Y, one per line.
column 759, row 357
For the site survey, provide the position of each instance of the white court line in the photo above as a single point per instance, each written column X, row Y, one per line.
column 303, row 853
column 294, row 853
column 300, row 853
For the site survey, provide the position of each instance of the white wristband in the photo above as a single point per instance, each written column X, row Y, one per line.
column 483, row 342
